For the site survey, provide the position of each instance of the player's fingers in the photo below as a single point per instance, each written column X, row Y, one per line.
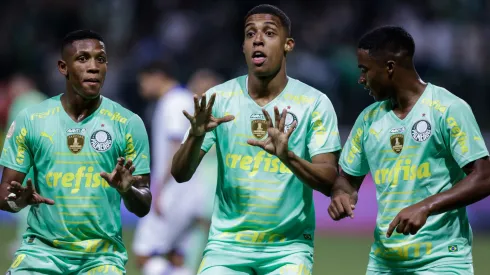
column 131, row 169
column 291, row 129
column 227, row 118
column 209, row 108
column 338, row 205
column 348, row 208
column 392, row 226
column 203, row 102
column 105, row 176
column 413, row 229
column 282, row 121
column 30, row 188
column 15, row 187
column 267, row 118
column 128, row 164
column 335, row 212
column 331, row 213
column 277, row 117
column 47, row 201
column 253, row 142
column 406, row 229
column 196, row 105
column 188, row 116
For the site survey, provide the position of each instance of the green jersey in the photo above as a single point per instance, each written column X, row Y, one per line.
column 67, row 158
column 411, row 159
column 260, row 204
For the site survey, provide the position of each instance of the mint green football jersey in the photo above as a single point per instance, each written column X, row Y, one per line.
column 410, row 160
column 260, row 204
column 67, row 158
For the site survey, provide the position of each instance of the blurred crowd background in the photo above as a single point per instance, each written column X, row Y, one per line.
column 452, row 40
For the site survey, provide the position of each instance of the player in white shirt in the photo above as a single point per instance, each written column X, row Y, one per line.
column 161, row 237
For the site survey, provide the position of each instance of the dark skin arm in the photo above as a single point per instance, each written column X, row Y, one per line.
column 12, row 184
column 473, row 188
column 319, row 174
column 344, row 196
column 135, row 190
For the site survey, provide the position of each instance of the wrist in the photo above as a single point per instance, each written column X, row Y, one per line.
column 14, row 206
column 287, row 157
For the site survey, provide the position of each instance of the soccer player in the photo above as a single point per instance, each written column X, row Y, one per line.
column 172, row 213
column 264, row 218
column 426, row 155
column 87, row 152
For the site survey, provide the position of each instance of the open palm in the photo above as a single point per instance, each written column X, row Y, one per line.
column 203, row 120
column 277, row 141
column 121, row 177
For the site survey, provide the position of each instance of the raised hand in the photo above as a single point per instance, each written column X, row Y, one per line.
column 121, row 177
column 24, row 196
column 203, row 120
column 277, row 141
column 409, row 220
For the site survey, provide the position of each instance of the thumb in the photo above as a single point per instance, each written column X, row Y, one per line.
column 137, row 178
column 227, row 118
column 105, row 176
column 48, row 201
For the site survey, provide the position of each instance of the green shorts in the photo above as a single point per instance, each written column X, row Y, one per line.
column 450, row 269
column 226, row 262
column 34, row 260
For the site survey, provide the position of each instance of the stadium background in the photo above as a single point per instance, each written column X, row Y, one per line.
column 452, row 42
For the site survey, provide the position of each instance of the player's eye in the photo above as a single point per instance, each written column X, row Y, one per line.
column 250, row 34
column 269, row 33
column 102, row 59
column 82, row 58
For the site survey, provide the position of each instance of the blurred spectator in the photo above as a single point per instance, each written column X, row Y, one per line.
column 24, row 94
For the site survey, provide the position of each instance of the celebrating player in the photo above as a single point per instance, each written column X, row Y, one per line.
column 264, row 219
column 426, row 155
column 87, row 152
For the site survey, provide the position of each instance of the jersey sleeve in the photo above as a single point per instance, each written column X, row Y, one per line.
column 175, row 123
column 137, row 145
column 462, row 134
column 210, row 137
column 353, row 158
column 16, row 153
column 323, row 133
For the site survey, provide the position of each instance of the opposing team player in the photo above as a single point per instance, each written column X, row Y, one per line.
column 87, row 153
column 427, row 157
column 264, row 218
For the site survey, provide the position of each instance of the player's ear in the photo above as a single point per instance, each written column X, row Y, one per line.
column 63, row 68
column 289, row 45
column 390, row 67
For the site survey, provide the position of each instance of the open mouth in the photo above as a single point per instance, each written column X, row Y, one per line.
column 258, row 58
column 91, row 81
